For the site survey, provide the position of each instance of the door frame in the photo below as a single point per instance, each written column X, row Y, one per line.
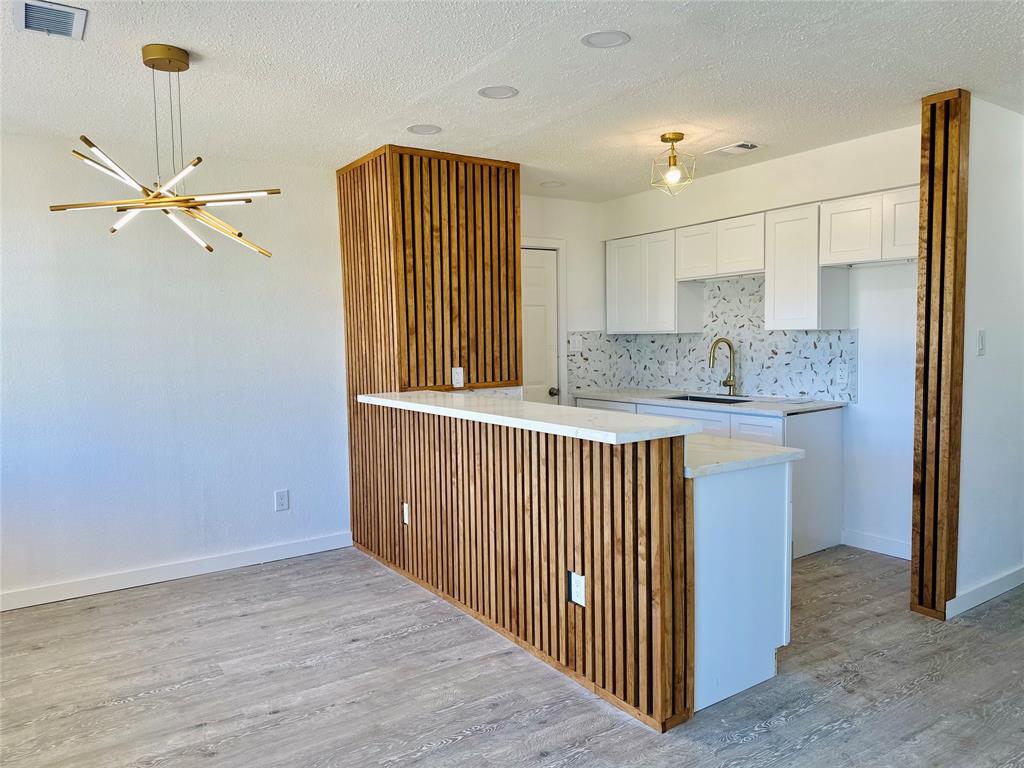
column 561, row 311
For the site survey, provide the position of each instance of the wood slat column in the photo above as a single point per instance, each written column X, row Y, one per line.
column 942, row 271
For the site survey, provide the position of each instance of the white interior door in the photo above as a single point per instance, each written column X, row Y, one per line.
column 540, row 326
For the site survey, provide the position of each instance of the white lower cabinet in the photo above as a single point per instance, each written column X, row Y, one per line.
column 757, row 429
column 712, row 422
column 605, row 405
column 817, row 478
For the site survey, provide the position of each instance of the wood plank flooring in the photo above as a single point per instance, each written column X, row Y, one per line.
column 333, row 660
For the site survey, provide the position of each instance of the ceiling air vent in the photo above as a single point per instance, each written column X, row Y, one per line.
column 739, row 148
column 51, row 18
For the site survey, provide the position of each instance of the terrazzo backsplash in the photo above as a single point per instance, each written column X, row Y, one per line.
column 768, row 363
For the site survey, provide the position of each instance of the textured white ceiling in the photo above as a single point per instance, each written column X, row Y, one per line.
column 322, row 83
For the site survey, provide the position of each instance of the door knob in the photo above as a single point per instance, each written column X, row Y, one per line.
column 552, row 391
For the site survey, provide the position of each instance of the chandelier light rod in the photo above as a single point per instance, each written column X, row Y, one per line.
column 167, row 197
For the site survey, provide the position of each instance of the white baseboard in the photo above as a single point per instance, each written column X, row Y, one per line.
column 49, row 593
column 985, row 592
column 881, row 544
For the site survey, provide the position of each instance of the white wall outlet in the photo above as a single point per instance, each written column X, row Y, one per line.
column 405, row 512
column 281, row 501
column 981, row 342
column 577, row 588
column 458, row 377
column 842, row 373
column 575, row 345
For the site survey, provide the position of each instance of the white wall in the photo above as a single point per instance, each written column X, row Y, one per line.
column 870, row 163
column 878, row 430
column 155, row 395
column 991, row 553
column 579, row 225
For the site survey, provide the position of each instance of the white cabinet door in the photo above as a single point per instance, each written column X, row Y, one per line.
column 900, row 223
column 791, row 269
column 696, row 249
column 626, row 285
column 659, row 254
column 758, row 429
column 740, row 244
column 605, row 405
column 641, row 284
column 712, row 422
column 851, row 230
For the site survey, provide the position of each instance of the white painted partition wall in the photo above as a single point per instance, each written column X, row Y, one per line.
column 156, row 395
column 991, row 536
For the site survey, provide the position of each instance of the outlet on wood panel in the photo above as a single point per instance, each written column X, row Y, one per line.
column 405, row 512
column 577, row 588
column 458, row 377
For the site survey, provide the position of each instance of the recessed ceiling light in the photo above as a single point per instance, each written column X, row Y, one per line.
column 498, row 92
column 552, row 184
column 424, row 129
column 608, row 38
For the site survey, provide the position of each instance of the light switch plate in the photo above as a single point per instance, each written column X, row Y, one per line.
column 577, row 588
column 405, row 512
column 458, row 377
column 981, row 342
column 281, row 501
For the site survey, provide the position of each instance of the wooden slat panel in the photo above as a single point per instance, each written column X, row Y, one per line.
column 940, row 326
column 617, row 514
column 459, row 244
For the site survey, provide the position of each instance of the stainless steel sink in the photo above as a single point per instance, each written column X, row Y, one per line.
column 710, row 398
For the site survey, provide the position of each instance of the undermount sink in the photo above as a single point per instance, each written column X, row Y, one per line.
column 711, row 398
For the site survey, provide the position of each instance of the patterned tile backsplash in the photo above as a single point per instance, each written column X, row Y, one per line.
column 769, row 363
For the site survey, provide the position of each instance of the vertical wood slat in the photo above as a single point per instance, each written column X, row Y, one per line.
column 945, row 123
column 459, row 240
column 618, row 515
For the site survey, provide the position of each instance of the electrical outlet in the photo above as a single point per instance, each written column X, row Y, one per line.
column 981, row 342
column 843, row 374
column 575, row 345
column 405, row 513
column 458, row 377
column 577, row 588
column 281, row 501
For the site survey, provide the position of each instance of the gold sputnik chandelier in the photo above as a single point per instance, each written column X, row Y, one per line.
column 671, row 171
column 169, row 197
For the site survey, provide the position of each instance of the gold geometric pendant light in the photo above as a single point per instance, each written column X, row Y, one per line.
column 672, row 171
column 168, row 197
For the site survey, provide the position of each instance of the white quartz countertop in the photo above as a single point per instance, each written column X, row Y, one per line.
column 762, row 406
column 711, row 455
column 583, row 423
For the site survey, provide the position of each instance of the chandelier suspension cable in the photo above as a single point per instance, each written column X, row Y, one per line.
column 170, row 111
column 156, row 129
column 181, row 144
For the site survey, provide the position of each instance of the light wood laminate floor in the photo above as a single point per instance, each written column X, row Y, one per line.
column 333, row 660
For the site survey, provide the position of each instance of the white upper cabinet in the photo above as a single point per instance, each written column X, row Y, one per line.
column 642, row 295
column 626, row 284
column 740, row 244
column 851, row 230
column 696, row 251
column 728, row 247
column 798, row 294
column 900, row 223
column 791, row 268
column 659, row 251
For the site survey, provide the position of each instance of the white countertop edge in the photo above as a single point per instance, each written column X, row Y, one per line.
column 712, row 455
column 611, row 427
